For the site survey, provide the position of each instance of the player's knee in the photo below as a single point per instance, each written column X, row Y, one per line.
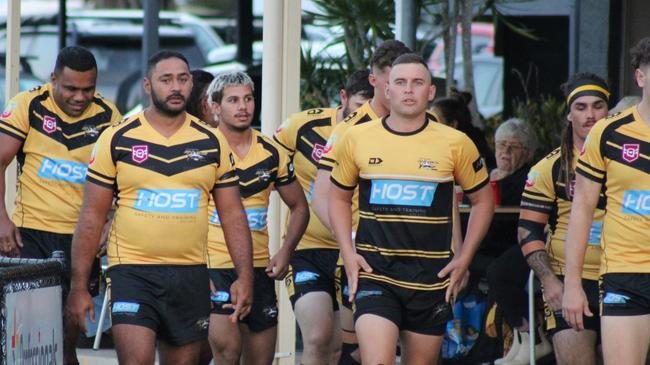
column 228, row 351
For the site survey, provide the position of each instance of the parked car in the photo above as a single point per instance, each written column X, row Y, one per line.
column 115, row 38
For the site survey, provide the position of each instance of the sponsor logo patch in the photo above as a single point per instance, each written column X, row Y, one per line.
column 368, row 293
column 427, row 164
column 402, row 192
column 62, row 170
column 305, row 276
column 167, row 200
column 125, row 307
column 613, row 298
column 220, row 297
column 478, row 164
column 140, row 153
column 256, row 218
column 636, row 202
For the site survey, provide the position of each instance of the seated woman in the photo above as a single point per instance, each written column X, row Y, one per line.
column 515, row 145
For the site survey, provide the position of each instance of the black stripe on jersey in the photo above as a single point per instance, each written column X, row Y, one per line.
column 588, row 175
column 344, row 187
column 605, row 136
column 322, row 166
column 263, row 173
column 616, row 154
column 12, row 131
column 99, row 182
column 282, row 144
column 307, row 131
column 121, row 151
column 583, row 165
column 87, row 129
column 536, row 205
column 477, row 187
column 101, row 175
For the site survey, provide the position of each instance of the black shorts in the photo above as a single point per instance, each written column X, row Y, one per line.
column 342, row 289
column 313, row 270
column 419, row 311
column 555, row 321
column 40, row 245
column 624, row 294
column 172, row 300
column 264, row 312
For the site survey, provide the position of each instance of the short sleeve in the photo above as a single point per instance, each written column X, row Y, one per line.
column 285, row 135
column 101, row 167
column 286, row 173
column 226, row 173
column 14, row 120
column 539, row 189
column 469, row 168
column 591, row 163
column 345, row 173
column 327, row 161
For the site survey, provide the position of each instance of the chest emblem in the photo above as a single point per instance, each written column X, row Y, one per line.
column 630, row 152
column 263, row 175
column 49, row 124
column 140, row 153
column 317, row 152
column 193, row 154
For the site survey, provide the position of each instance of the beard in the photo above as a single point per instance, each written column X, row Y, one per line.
column 162, row 106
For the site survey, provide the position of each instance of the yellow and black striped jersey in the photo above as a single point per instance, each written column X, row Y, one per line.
column 54, row 156
column 264, row 167
column 406, row 187
column 364, row 114
column 617, row 155
column 304, row 135
column 545, row 192
column 162, row 186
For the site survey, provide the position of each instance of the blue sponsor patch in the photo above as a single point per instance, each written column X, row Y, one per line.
column 62, row 170
column 346, row 291
column 305, row 276
column 125, row 307
column 402, row 192
column 368, row 293
column 168, row 200
column 595, row 232
column 220, row 297
column 613, row 298
column 636, row 202
column 256, row 218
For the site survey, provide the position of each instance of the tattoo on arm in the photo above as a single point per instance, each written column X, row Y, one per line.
column 540, row 263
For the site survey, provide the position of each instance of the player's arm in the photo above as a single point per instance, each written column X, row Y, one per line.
column 340, row 214
column 85, row 242
column 480, row 216
column 10, row 241
column 294, row 198
column 320, row 198
column 238, row 239
column 532, row 240
column 585, row 200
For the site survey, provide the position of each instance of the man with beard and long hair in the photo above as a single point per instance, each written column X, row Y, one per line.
column 162, row 164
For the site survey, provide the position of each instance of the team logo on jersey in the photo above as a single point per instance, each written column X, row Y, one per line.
column 478, row 164
column 93, row 154
column 193, row 154
column 630, row 152
column 49, row 124
column 317, row 152
column 427, row 164
column 140, row 153
column 8, row 110
column 263, row 175
column 91, row 131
